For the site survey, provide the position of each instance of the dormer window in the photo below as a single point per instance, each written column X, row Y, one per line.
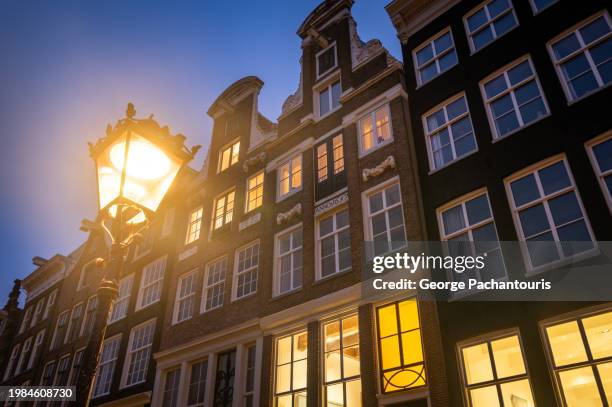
column 228, row 156
column 327, row 60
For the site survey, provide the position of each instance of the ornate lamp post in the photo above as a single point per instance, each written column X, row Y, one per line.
column 136, row 163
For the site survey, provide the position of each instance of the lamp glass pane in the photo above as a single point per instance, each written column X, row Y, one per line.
column 109, row 173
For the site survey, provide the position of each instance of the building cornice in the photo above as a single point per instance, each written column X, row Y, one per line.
column 409, row 16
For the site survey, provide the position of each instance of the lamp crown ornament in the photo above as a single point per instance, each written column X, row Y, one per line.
column 131, row 111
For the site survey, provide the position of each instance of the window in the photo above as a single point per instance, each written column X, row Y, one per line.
column 74, row 326
column 288, row 259
column 449, row 132
column 513, row 98
column 60, row 329
column 255, row 188
column 224, row 383
column 374, row 130
column 87, row 274
column 400, row 346
column 214, row 284
column 579, row 354
column 539, row 5
column 48, row 374
column 494, row 372
column 330, row 174
column 11, row 362
column 333, row 244
column 385, row 219
column 77, row 361
column 434, row 57
column 291, row 370
column 600, row 153
column 196, row 396
column 151, row 283
column 247, row 264
column 171, row 388
column 25, row 353
column 139, row 353
column 38, row 342
column 120, row 305
column 468, row 226
column 50, row 303
column 106, row 366
column 168, row 224
column 326, row 60
column 341, row 363
column 185, row 298
column 194, row 226
column 329, row 98
column 290, row 176
column 224, row 210
column 228, row 156
column 26, row 319
column 63, row 370
column 143, row 247
column 583, row 55
column 90, row 316
column 249, row 384
column 489, row 21
column 548, row 213
column 38, row 312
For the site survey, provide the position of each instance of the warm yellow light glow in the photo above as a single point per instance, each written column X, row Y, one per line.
column 145, row 161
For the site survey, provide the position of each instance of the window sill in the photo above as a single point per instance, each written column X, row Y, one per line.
column 519, row 129
column 323, row 280
column 276, row 297
column 206, row 311
column 586, row 95
column 244, row 297
column 363, row 154
column 421, row 85
column 318, row 118
column 287, row 195
column 450, row 163
column 533, row 272
column 473, row 52
column 326, row 75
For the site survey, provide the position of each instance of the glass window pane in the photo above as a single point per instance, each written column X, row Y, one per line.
column 390, row 352
column 603, row 154
column 579, row 387
column 435, row 120
column 566, row 343
column 409, row 315
column 335, row 92
column 350, row 331
column 605, row 372
column 554, row 178
column 283, row 378
column 495, row 86
column 478, row 209
column 300, row 346
column 533, row 110
column 496, row 7
column 453, row 219
column 283, row 350
column 353, row 393
column 565, row 208
column 456, row 108
column 350, row 361
column 299, row 374
column 334, row 395
column 524, row 190
column 447, row 61
column 534, row 220
column 465, row 145
column 594, row 30
column 508, row 357
column 517, row 393
column 520, row 72
column 476, row 20
column 332, row 366
column 324, row 106
column 411, row 347
column 332, row 336
column 424, row 55
column 442, row 43
column 485, row 397
column 477, row 363
column 598, row 330
column 566, row 46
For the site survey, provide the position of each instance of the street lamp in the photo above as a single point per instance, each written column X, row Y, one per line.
column 136, row 164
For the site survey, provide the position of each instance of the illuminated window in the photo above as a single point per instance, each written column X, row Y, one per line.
column 12, row 361
column 333, row 244
column 60, row 329
column 400, row 346
column 246, row 266
column 385, row 217
column 185, row 298
column 435, row 57
column 374, row 130
column 38, row 342
column 255, row 188
column 580, row 353
column 25, row 353
column 90, row 315
column 494, row 370
column 329, row 166
column 288, row 261
column 290, row 176
column 37, row 312
column 321, row 162
column 326, row 60
column 489, row 21
column 600, row 153
column 151, row 283
column 139, row 353
column 290, row 370
column 214, row 284
column 106, row 366
column 224, row 210
column 120, row 305
column 194, row 226
column 171, row 388
column 582, row 56
column 196, row 396
column 329, row 98
column 50, row 303
column 547, row 209
column 74, row 326
column 228, row 156
column 341, row 363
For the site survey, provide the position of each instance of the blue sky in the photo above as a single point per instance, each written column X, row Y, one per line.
column 69, row 67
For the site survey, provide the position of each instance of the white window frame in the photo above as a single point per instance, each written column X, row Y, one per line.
column 151, row 268
column 112, row 361
column 334, row 233
column 57, row 326
column 510, row 91
column 222, row 282
column 289, row 163
column 531, row 270
column 11, row 362
column 333, row 44
column 207, row 383
column 598, row 172
column 236, row 274
column 228, row 146
column 67, row 338
column 50, row 303
column 293, row 335
column 447, row 125
column 145, row 246
column 129, row 353
column 372, row 114
column 178, row 300
column 489, row 22
column 194, row 225
column 225, row 222
column 168, row 224
column 122, row 297
column 36, row 318
column 65, row 356
column 435, row 58
column 277, row 263
column 50, row 363
column 25, row 354
column 326, row 86
column 25, row 322
column 255, row 191
column 37, row 347
column 535, row 8
column 90, row 301
column 583, row 50
column 89, row 265
column 71, row 377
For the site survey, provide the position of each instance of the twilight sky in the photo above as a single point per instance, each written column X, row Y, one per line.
column 67, row 68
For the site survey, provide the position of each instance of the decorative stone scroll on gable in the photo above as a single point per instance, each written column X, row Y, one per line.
column 363, row 51
column 291, row 213
column 387, row 163
column 294, row 100
column 255, row 160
